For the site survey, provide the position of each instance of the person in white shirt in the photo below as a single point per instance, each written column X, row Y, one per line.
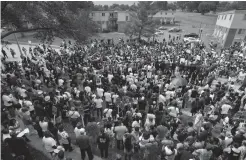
column 88, row 90
column 60, row 82
column 65, row 139
column 78, row 129
column 98, row 101
column 150, row 121
column 74, row 116
column 225, row 109
column 108, row 97
column 7, row 99
column 43, row 124
column 114, row 97
column 133, row 87
column 49, row 143
column 162, row 99
column 107, row 112
column 100, row 92
column 110, row 76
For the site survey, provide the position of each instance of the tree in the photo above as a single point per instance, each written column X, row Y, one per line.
column 192, row 5
column 171, row 6
column 182, row 5
column 222, row 6
column 141, row 23
column 205, row 7
column 48, row 19
column 105, row 7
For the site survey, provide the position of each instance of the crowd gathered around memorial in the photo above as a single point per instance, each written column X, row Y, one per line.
column 150, row 101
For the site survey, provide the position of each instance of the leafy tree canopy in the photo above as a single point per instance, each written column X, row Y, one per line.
column 49, row 19
column 142, row 23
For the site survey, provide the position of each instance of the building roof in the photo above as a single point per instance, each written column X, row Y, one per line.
column 166, row 11
column 232, row 12
column 110, row 11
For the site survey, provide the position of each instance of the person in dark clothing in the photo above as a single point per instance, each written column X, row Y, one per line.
column 84, row 145
column 18, row 146
column 103, row 144
column 54, row 131
column 4, row 53
column 183, row 155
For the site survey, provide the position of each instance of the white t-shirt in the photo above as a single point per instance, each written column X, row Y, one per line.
column 64, row 137
column 7, row 100
column 162, row 99
column 49, row 143
column 100, row 92
column 115, row 96
column 98, row 102
column 135, row 124
column 60, row 82
column 110, row 76
column 225, row 108
column 107, row 96
column 88, row 89
column 29, row 104
column 78, row 131
column 108, row 112
column 124, row 89
column 44, row 126
column 173, row 111
column 73, row 114
column 134, row 87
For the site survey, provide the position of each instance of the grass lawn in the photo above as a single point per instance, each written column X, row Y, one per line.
column 188, row 22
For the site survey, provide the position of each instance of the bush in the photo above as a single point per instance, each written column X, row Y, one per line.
column 106, row 31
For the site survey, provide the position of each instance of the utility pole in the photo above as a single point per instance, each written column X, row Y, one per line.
column 18, row 44
column 200, row 31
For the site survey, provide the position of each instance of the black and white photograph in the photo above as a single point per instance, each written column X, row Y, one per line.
column 123, row 80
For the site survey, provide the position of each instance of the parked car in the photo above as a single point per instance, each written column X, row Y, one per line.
column 162, row 28
column 159, row 33
column 192, row 40
column 192, row 37
column 174, row 30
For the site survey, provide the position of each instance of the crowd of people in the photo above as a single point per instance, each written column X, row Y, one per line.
column 150, row 100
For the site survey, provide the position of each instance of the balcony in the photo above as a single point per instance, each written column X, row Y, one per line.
column 113, row 17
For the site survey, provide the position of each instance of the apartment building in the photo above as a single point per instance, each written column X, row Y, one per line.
column 165, row 17
column 230, row 27
column 113, row 21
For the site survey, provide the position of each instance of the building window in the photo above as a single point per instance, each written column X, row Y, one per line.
column 218, row 16
column 111, row 14
column 241, row 31
column 225, row 17
column 103, row 14
column 244, row 17
column 230, row 16
column 161, row 13
column 126, row 18
column 172, row 13
column 166, row 13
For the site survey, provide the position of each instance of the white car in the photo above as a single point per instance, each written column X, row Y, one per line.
column 162, row 28
column 159, row 33
column 191, row 40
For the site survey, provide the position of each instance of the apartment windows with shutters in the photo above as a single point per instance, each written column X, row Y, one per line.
column 241, row 31
column 230, row 16
column 103, row 14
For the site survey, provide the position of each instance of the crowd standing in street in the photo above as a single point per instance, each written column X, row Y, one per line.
column 132, row 96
